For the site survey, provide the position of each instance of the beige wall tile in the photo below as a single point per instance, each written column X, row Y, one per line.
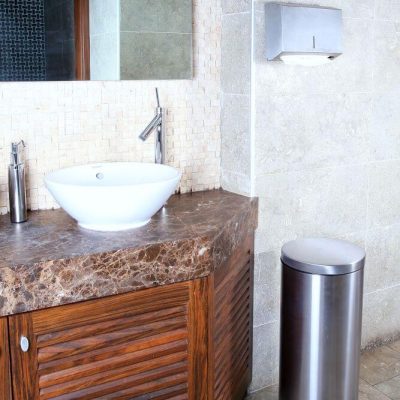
column 236, row 53
column 383, row 258
column 386, row 44
column 295, row 132
column 321, row 202
column 265, row 355
column 235, row 182
column 387, row 9
column 235, row 134
column 384, row 192
column 381, row 315
column 385, row 122
column 235, row 6
column 267, row 288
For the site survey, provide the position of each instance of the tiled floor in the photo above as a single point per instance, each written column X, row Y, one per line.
column 380, row 376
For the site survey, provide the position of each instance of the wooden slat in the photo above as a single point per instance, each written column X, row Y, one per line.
column 241, row 256
column 228, row 383
column 232, row 325
column 5, row 377
column 112, row 325
column 170, row 338
column 233, row 299
column 127, row 335
column 241, row 343
column 114, row 375
column 228, row 375
column 198, row 336
column 239, row 315
column 132, row 387
column 177, row 392
column 228, row 341
column 249, row 371
column 87, row 369
column 235, row 295
column 88, row 312
column 234, row 277
column 211, row 342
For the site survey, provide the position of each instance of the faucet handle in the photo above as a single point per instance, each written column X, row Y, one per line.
column 16, row 152
column 158, row 99
column 16, row 146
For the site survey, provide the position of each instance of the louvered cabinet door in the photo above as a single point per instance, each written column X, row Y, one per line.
column 132, row 346
column 5, row 378
column 231, row 348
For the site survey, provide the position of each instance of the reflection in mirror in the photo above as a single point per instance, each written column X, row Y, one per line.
column 61, row 40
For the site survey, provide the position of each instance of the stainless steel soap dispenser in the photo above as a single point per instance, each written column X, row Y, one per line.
column 16, row 184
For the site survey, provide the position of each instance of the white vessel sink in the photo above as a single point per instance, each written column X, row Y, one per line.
column 113, row 196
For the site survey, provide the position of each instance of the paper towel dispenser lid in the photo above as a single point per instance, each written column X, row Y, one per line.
column 300, row 30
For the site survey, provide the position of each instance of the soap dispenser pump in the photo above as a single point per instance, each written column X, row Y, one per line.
column 16, row 184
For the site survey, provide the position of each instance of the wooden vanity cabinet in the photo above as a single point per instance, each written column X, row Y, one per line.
column 189, row 340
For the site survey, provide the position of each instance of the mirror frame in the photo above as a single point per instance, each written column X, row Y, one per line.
column 82, row 42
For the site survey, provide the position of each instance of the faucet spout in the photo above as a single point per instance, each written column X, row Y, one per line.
column 157, row 120
column 156, row 124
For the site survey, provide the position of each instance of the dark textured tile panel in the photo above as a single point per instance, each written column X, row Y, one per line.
column 22, row 40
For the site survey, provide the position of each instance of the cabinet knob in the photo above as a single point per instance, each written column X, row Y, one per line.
column 24, row 343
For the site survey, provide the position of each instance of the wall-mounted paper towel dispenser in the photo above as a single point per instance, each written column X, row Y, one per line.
column 301, row 34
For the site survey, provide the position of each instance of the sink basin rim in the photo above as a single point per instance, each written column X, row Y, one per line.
column 56, row 177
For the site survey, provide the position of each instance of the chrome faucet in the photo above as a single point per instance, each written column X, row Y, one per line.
column 157, row 124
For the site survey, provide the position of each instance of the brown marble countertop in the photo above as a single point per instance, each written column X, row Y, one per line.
column 50, row 261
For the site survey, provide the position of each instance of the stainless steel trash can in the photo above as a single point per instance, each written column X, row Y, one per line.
column 321, row 308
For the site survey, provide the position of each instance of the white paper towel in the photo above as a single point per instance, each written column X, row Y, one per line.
column 309, row 60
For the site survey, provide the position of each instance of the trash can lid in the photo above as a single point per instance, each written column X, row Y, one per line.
column 323, row 256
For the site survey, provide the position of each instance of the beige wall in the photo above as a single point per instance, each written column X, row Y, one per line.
column 236, row 100
column 71, row 123
column 324, row 160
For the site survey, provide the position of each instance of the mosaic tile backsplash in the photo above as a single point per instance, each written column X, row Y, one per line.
column 73, row 123
column 22, row 40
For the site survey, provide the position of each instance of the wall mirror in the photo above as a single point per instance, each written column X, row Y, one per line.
column 64, row 40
